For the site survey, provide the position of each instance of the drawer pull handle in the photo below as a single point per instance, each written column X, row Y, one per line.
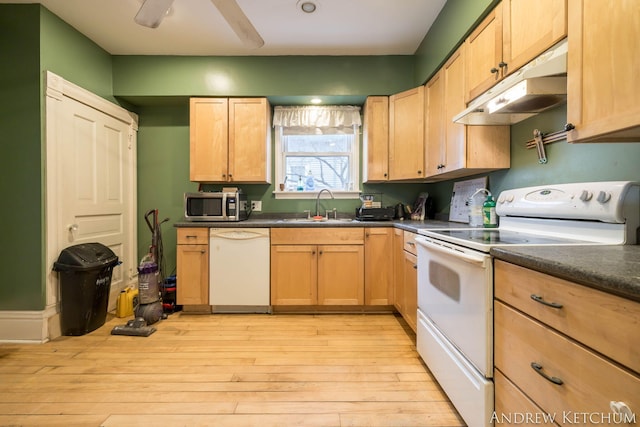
column 538, row 368
column 538, row 298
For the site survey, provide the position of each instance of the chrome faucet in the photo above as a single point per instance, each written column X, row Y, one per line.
column 318, row 199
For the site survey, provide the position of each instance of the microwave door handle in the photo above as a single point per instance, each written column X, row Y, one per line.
column 478, row 260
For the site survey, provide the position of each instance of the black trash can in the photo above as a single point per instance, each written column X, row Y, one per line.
column 85, row 280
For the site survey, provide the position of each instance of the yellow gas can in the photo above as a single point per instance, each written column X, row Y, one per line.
column 125, row 302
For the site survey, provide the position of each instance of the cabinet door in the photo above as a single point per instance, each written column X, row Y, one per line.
column 410, row 273
column 249, row 140
column 294, row 275
column 375, row 135
column 340, row 275
column 208, row 135
column 455, row 151
column 192, row 275
column 406, row 134
column 398, row 270
column 378, row 266
column 484, row 54
column 602, row 67
column 435, row 142
column 530, row 28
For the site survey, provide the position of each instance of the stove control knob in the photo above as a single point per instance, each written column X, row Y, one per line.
column 585, row 196
column 501, row 199
column 603, row 197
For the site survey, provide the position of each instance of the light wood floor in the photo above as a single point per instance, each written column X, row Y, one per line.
column 227, row 370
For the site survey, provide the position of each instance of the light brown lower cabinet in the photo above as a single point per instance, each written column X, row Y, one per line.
column 546, row 334
column 410, row 290
column 398, row 271
column 192, row 267
column 406, row 276
column 378, row 266
column 317, row 266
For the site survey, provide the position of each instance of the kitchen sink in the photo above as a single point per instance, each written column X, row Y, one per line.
column 316, row 221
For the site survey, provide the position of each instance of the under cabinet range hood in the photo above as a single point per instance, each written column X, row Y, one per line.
column 539, row 85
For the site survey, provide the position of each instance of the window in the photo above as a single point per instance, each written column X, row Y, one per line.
column 317, row 148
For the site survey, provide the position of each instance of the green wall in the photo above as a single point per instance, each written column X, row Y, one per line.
column 455, row 21
column 33, row 40
column 72, row 56
column 141, row 78
column 21, row 253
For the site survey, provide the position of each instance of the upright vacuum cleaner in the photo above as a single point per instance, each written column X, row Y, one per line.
column 150, row 273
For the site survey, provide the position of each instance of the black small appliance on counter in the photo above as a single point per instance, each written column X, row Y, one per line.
column 375, row 214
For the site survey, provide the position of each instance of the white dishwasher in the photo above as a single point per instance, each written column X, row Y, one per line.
column 239, row 270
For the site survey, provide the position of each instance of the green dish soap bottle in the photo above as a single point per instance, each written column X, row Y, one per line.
column 489, row 217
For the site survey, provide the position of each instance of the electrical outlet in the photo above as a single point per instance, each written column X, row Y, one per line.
column 256, row 205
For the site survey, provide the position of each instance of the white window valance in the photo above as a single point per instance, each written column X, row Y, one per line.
column 317, row 120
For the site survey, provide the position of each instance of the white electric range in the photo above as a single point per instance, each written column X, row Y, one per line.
column 455, row 275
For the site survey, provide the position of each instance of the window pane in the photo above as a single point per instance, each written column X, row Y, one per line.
column 318, row 143
column 318, row 172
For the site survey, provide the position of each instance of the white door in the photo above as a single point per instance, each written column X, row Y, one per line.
column 90, row 188
column 94, row 183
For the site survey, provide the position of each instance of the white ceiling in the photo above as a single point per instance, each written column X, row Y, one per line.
column 194, row 27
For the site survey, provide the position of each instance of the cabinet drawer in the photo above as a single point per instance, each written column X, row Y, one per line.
column 317, row 236
column 589, row 382
column 604, row 322
column 193, row 236
column 410, row 242
column 512, row 405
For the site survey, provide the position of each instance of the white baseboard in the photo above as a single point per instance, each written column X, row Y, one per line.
column 28, row 326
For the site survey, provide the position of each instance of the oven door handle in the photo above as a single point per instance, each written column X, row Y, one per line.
column 478, row 260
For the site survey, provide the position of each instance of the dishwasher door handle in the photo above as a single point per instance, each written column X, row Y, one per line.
column 238, row 235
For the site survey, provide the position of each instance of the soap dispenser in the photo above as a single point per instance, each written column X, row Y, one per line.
column 489, row 217
column 475, row 203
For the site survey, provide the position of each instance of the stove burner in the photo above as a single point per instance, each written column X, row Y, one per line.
column 496, row 236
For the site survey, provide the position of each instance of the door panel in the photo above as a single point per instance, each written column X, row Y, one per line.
column 293, row 275
column 94, row 185
column 341, row 275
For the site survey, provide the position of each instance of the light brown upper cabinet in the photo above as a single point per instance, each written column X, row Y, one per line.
column 435, row 142
column 406, row 135
column 602, row 68
column 455, row 150
column 230, row 140
column 514, row 33
column 375, row 129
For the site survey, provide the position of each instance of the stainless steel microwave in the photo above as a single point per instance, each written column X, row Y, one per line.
column 215, row 206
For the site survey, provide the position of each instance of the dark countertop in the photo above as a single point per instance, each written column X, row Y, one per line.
column 277, row 222
column 613, row 269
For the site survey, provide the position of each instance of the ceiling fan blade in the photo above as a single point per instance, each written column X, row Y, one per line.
column 239, row 23
column 152, row 12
